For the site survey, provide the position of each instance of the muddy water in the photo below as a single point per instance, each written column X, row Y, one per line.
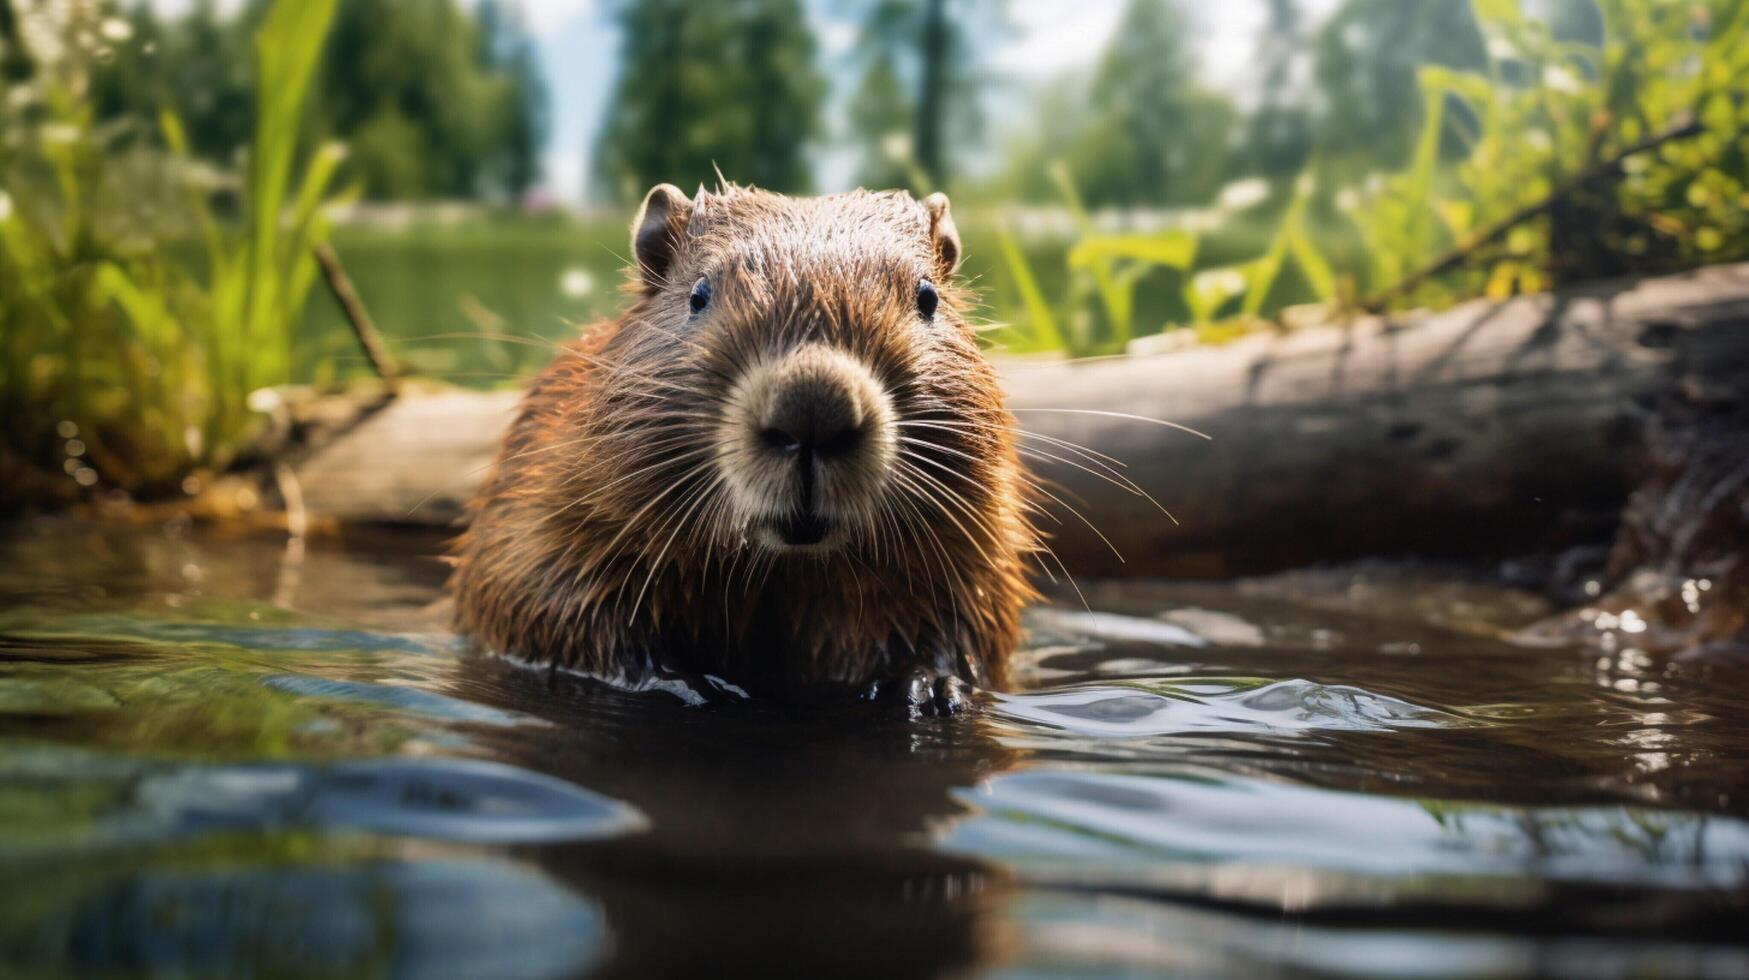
column 225, row 757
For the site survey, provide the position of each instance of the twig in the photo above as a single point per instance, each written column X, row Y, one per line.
column 1682, row 128
column 381, row 360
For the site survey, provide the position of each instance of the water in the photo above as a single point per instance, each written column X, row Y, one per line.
column 227, row 756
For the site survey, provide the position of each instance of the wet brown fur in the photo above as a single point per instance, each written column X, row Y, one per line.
column 601, row 542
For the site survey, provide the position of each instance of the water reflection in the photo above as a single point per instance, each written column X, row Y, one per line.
column 1081, row 934
column 463, row 800
column 1314, row 773
column 433, row 918
column 781, row 841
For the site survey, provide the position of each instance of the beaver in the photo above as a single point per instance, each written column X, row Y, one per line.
column 786, row 467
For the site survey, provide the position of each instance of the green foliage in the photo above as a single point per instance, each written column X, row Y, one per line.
column 433, row 102
column 1557, row 122
column 434, row 98
column 119, row 360
column 1278, row 135
column 880, row 119
column 1038, row 330
column 197, row 65
column 919, row 95
column 1574, row 149
column 1143, row 132
column 729, row 85
column 1366, row 59
column 1109, row 266
column 1106, row 267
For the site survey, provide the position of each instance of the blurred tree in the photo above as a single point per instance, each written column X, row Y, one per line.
column 1365, row 63
column 1570, row 20
column 15, row 64
column 922, row 79
column 433, row 101
column 1152, row 135
column 506, row 47
column 730, row 85
column 880, row 120
column 1278, row 133
column 197, row 65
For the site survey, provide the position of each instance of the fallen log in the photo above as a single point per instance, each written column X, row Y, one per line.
column 1489, row 429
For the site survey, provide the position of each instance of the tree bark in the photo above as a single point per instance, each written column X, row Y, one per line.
column 1489, row 429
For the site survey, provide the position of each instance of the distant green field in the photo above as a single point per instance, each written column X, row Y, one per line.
column 439, row 291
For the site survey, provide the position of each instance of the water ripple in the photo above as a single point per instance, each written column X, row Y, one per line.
column 461, row 800
column 464, row 800
column 405, row 698
column 1220, row 706
column 1238, row 834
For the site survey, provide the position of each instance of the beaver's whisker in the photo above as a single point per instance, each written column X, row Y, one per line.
column 656, row 438
column 476, row 471
column 978, row 427
column 1033, row 484
column 597, row 492
column 1092, row 455
column 959, row 504
column 920, row 526
column 1117, row 481
column 612, row 549
column 1047, row 549
column 769, row 561
column 1083, row 517
column 896, row 522
column 668, row 460
column 701, row 493
column 850, row 564
column 563, row 348
column 695, row 345
column 1120, row 415
column 1072, row 583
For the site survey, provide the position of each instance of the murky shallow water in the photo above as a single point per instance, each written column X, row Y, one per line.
column 221, row 757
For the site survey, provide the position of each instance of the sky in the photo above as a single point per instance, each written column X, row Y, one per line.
column 578, row 46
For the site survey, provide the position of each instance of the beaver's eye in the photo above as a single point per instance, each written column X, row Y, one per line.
column 927, row 299
column 701, row 295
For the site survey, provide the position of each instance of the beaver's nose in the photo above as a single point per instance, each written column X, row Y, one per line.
column 807, row 443
column 814, row 417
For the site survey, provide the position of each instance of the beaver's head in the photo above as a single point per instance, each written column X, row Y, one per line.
column 798, row 375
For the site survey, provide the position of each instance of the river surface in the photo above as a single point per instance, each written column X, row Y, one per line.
column 239, row 756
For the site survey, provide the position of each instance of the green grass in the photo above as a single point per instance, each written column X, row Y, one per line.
column 126, row 365
column 1024, row 278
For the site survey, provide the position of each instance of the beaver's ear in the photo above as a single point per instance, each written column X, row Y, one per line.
column 656, row 232
column 943, row 234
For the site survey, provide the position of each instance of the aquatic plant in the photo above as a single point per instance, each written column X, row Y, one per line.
column 123, row 366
